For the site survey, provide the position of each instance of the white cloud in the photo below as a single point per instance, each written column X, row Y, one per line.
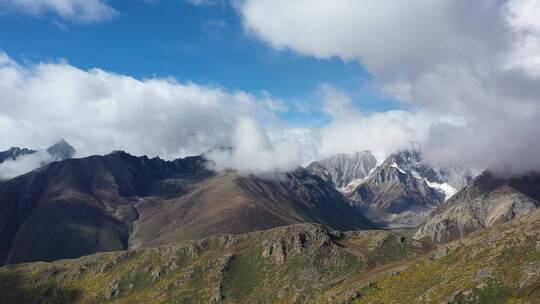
column 382, row 34
column 206, row 2
column 79, row 11
column 468, row 72
column 254, row 152
column 23, row 164
column 351, row 130
column 99, row 111
column 472, row 63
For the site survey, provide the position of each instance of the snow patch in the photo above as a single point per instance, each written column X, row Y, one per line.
column 445, row 188
column 394, row 165
column 351, row 187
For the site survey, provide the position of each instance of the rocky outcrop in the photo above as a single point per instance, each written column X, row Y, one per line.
column 288, row 243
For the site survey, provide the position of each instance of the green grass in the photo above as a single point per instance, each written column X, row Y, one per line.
column 354, row 270
column 244, row 274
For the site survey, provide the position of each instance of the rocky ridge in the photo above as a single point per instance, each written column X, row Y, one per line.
column 297, row 264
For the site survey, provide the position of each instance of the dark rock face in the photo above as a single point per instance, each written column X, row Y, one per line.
column 13, row 153
column 343, row 169
column 61, row 150
column 489, row 200
column 76, row 207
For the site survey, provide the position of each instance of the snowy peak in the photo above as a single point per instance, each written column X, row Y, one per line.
column 447, row 180
column 343, row 170
column 403, row 189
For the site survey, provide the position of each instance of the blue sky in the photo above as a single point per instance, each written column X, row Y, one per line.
column 205, row 44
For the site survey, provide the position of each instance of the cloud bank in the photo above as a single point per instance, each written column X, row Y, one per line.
column 475, row 61
column 78, row 11
column 98, row 112
column 23, row 164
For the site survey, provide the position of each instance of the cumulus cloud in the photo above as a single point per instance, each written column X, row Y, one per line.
column 382, row 34
column 97, row 112
column 79, row 11
column 351, row 130
column 469, row 70
column 253, row 152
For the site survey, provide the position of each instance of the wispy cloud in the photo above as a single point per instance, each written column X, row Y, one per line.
column 76, row 11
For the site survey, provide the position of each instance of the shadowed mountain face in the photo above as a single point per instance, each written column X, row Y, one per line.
column 80, row 206
column 487, row 201
column 101, row 203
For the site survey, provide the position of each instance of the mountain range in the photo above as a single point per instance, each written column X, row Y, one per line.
column 118, row 201
column 346, row 229
column 400, row 192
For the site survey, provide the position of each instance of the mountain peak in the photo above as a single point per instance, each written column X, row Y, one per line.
column 61, row 150
column 343, row 169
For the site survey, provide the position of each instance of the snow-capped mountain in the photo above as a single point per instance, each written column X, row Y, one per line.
column 447, row 180
column 401, row 191
column 404, row 189
column 344, row 170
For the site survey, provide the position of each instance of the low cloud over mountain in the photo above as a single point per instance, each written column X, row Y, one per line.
column 477, row 62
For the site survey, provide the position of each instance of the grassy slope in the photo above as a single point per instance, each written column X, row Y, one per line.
column 289, row 264
column 500, row 265
column 296, row 264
